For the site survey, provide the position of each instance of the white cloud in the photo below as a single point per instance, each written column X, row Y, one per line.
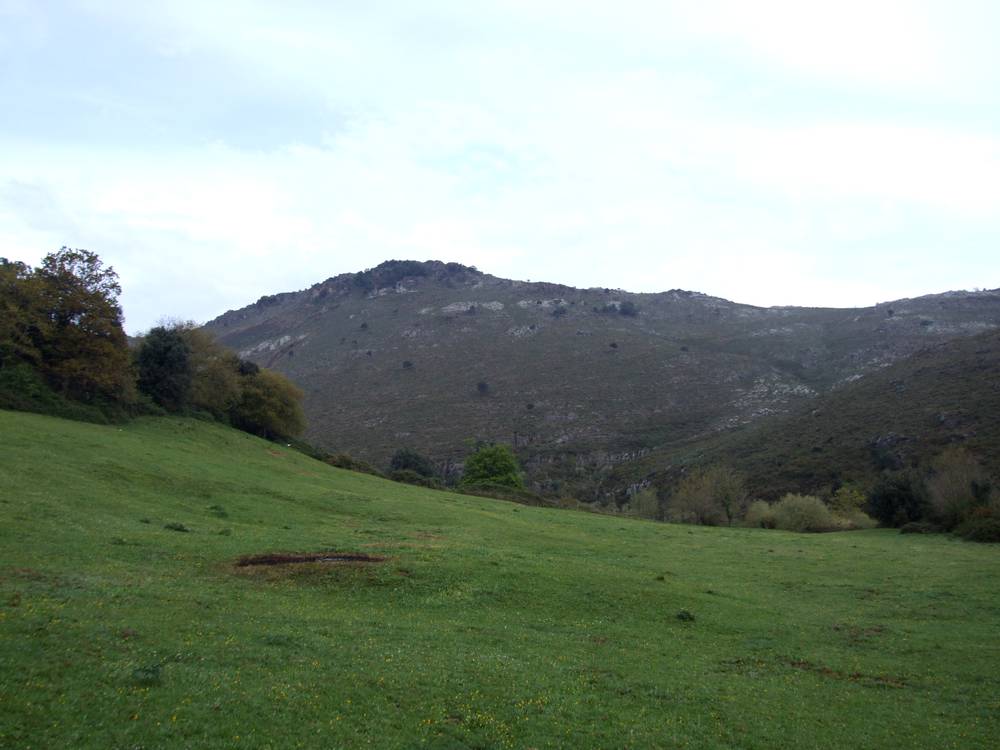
column 576, row 142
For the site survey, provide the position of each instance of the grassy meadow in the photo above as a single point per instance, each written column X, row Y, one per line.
column 488, row 624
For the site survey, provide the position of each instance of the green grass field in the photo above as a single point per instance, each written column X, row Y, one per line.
column 488, row 625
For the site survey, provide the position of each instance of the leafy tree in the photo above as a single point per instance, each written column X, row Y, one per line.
column 215, row 374
column 847, row 499
column 23, row 322
column 406, row 459
column 897, row 499
column 84, row 349
column 164, row 365
column 493, row 464
column 269, row 406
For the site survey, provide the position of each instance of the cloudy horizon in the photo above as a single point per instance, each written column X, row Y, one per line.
column 775, row 153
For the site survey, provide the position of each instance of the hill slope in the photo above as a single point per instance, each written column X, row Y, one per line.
column 894, row 417
column 432, row 356
column 487, row 625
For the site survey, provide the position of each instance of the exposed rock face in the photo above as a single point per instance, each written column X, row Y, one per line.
column 575, row 377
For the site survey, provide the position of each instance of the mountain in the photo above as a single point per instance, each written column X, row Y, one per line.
column 585, row 383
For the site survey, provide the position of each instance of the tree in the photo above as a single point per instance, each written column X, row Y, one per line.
column 215, row 373
column 712, row 496
column 406, row 459
column 84, row 349
column 23, row 322
column 270, row 406
column 959, row 484
column 493, row 464
column 898, row 498
column 164, row 365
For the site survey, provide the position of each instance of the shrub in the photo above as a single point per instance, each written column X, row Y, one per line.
column 803, row 513
column 759, row 515
column 857, row 519
column 980, row 529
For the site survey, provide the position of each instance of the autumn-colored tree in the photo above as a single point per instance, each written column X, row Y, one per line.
column 84, row 350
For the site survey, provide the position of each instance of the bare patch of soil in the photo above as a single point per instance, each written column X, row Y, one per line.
column 284, row 558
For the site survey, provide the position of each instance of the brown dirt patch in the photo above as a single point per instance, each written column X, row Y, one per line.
column 285, row 558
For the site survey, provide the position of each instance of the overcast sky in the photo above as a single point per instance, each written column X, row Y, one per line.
column 771, row 152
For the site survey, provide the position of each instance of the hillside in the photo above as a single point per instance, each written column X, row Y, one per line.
column 894, row 417
column 433, row 356
column 484, row 624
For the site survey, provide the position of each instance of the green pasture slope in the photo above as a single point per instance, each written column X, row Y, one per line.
column 489, row 625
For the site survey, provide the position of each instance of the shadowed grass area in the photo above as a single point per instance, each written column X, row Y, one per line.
column 488, row 624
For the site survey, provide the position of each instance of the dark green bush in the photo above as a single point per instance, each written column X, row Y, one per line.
column 980, row 529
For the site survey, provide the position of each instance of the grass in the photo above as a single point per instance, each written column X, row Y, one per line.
column 490, row 624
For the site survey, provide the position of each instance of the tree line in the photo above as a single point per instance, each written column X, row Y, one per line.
column 63, row 351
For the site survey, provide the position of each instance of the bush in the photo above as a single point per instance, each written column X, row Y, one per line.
column 759, row 515
column 980, row 529
column 803, row 513
column 857, row 519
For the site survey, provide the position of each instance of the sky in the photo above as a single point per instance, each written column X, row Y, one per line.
column 775, row 152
